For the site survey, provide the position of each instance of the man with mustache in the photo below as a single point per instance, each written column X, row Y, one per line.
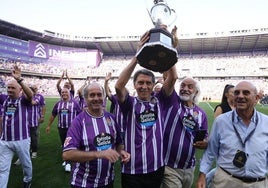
column 143, row 123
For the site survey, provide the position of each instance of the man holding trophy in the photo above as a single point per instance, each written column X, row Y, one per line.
column 143, row 114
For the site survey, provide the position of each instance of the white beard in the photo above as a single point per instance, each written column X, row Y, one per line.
column 186, row 97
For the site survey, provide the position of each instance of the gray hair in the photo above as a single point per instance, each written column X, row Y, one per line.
column 86, row 89
column 197, row 88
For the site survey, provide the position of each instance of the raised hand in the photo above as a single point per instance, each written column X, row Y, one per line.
column 16, row 72
column 175, row 40
column 108, row 76
column 144, row 38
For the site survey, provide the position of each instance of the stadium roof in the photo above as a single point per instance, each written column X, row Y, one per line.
column 249, row 41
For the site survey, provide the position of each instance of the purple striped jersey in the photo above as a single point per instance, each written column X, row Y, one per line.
column 34, row 111
column 143, row 135
column 66, row 111
column 89, row 133
column 41, row 102
column 180, row 126
column 15, row 118
column 118, row 114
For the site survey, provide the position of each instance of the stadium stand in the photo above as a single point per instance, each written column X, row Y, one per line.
column 213, row 58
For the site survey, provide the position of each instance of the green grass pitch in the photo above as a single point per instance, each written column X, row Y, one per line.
column 47, row 169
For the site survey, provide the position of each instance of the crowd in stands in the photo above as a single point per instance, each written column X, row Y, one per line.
column 223, row 70
column 224, row 66
column 203, row 66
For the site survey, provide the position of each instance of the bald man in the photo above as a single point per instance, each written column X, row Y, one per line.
column 15, row 136
column 239, row 142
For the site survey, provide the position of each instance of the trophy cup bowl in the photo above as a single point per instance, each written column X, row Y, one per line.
column 158, row 54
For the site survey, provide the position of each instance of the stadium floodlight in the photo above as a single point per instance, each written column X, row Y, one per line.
column 158, row 54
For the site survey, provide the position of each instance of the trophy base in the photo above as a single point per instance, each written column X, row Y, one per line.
column 158, row 54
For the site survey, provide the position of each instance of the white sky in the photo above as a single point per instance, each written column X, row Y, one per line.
column 130, row 17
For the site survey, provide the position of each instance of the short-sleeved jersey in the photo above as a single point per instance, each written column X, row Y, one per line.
column 115, row 109
column 41, row 102
column 15, row 118
column 66, row 111
column 143, row 134
column 89, row 133
column 34, row 111
column 181, row 125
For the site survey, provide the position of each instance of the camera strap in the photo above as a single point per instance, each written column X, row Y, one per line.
column 238, row 135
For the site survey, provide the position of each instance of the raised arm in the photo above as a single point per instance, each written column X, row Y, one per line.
column 170, row 76
column 121, row 90
column 170, row 80
column 59, row 81
column 80, row 90
column 69, row 80
column 106, row 85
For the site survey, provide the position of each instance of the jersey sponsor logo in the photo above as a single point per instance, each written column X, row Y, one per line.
column 189, row 123
column 64, row 111
column 11, row 109
column 103, row 141
column 147, row 118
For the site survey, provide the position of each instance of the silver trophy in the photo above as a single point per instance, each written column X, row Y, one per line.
column 158, row 54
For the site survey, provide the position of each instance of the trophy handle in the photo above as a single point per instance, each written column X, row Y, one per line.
column 173, row 16
column 150, row 16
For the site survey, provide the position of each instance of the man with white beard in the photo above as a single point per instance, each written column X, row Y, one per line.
column 184, row 121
